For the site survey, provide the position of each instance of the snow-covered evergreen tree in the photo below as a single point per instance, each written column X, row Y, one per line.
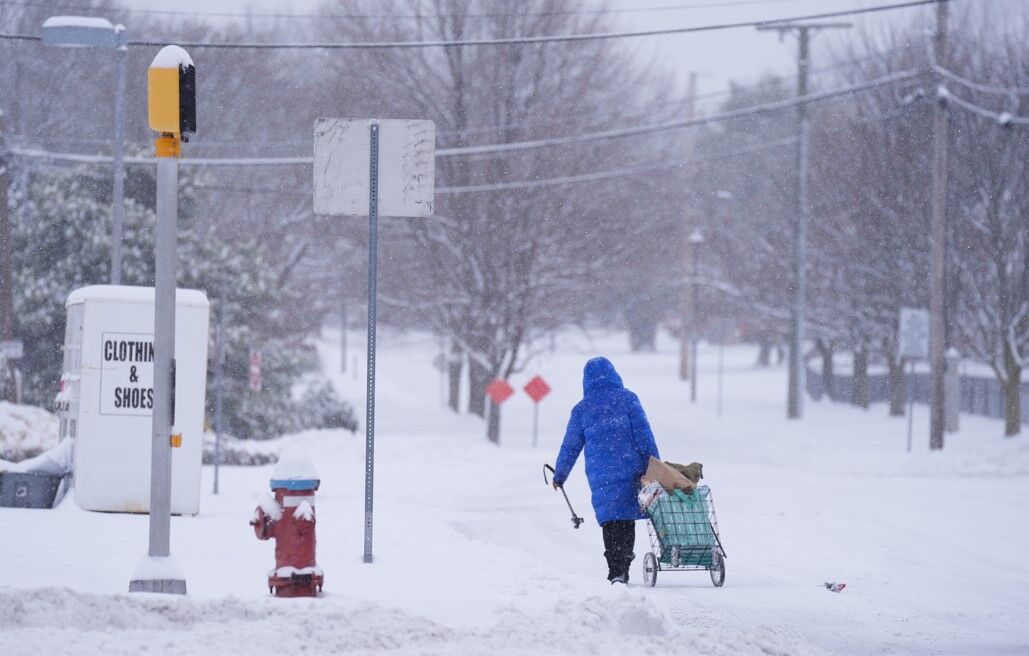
column 62, row 241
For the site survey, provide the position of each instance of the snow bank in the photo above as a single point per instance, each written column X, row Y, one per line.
column 619, row 621
column 245, row 453
column 26, row 431
column 57, row 460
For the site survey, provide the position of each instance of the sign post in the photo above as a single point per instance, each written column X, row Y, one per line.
column 537, row 389
column 255, row 371
column 171, row 91
column 397, row 179
column 912, row 344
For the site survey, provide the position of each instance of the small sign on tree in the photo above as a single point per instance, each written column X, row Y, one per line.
column 499, row 391
column 255, row 371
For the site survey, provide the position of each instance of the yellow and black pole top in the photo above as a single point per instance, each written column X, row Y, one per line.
column 171, row 98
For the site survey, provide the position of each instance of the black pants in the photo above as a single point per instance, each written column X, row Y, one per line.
column 619, row 540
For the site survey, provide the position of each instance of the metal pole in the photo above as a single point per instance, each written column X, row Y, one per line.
column 343, row 329
column 164, row 355
column 443, row 364
column 218, row 365
column 118, row 197
column 6, row 263
column 794, row 400
column 938, row 241
column 721, row 367
column 373, row 262
column 694, row 273
column 535, row 424
column 911, row 399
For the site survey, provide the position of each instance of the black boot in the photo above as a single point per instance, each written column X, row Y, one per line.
column 619, row 539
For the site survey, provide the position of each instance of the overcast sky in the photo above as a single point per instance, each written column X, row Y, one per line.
column 741, row 54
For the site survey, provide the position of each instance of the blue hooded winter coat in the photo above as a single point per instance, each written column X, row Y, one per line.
column 610, row 424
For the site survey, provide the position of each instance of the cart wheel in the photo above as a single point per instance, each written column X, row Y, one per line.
column 676, row 556
column 717, row 568
column 650, row 568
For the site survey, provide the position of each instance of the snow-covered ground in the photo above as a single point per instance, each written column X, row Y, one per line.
column 475, row 555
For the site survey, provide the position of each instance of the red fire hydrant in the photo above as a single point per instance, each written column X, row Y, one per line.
column 289, row 518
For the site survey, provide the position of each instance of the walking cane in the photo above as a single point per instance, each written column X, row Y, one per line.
column 576, row 520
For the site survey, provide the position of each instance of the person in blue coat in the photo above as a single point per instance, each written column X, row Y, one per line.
column 609, row 423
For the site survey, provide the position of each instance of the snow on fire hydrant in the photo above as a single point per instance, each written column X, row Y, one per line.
column 289, row 518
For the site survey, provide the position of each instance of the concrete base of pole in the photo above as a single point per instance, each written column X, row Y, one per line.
column 158, row 574
column 160, row 586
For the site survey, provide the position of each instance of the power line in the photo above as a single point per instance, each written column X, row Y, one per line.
column 614, row 173
column 558, row 38
column 386, row 16
column 680, row 123
column 504, row 147
column 524, row 40
column 978, row 86
column 548, row 182
column 1002, row 118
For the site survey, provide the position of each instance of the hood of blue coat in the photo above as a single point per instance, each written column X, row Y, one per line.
column 600, row 374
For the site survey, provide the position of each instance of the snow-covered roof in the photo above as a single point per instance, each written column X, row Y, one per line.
column 128, row 294
column 171, row 57
column 78, row 21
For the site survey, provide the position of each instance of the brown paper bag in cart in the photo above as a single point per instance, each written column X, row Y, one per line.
column 666, row 477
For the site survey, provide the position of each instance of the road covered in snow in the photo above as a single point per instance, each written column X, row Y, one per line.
column 474, row 554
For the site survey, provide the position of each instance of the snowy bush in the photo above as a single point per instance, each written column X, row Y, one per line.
column 25, row 431
column 321, row 407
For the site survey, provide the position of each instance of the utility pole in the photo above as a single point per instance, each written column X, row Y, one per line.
column 938, row 237
column 685, row 342
column 6, row 264
column 795, row 389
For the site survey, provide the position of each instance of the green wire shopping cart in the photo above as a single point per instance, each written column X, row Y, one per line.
column 684, row 536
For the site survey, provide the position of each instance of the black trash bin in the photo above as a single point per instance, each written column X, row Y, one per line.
column 31, row 489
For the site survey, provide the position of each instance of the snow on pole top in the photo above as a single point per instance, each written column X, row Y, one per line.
column 171, row 57
column 78, row 21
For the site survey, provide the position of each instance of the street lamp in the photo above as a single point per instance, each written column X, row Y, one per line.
column 695, row 239
column 88, row 32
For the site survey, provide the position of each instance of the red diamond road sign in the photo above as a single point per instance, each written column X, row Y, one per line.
column 499, row 390
column 537, row 388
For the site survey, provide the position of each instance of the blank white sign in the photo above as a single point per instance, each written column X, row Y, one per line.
column 913, row 337
column 407, row 166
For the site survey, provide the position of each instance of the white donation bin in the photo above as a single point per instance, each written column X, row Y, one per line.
column 107, row 396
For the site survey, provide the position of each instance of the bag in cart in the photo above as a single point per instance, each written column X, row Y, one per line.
column 683, row 532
